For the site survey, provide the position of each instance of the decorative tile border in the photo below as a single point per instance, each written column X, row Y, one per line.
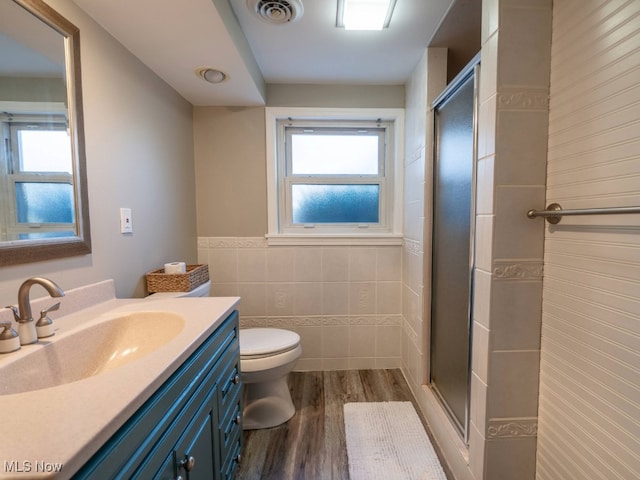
column 389, row 320
column 410, row 333
column 517, row 98
column 518, row 270
column 320, row 321
column 512, row 428
column 233, row 242
column 412, row 246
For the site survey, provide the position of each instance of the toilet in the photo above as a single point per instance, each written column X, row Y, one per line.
column 267, row 355
column 202, row 290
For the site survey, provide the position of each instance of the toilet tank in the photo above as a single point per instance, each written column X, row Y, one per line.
column 203, row 290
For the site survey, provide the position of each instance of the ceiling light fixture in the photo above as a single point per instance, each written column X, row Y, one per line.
column 211, row 75
column 364, row 14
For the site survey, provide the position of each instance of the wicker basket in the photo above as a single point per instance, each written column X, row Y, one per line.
column 158, row 281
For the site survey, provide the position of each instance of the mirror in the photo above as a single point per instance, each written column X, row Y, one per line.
column 44, row 210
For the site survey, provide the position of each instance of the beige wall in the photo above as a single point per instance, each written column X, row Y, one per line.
column 343, row 96
column 345, row 302
column 231, row 180
column 231, row 185
column 139, row 146
column 16, row 89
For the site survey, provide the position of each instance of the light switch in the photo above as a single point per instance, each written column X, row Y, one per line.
column 126, row 224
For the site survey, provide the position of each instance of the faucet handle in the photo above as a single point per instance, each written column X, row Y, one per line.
column 44, row 325
column 9, row 340
column 16, row 313
column 52, row 308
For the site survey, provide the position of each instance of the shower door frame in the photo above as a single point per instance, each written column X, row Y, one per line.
column 472, row 69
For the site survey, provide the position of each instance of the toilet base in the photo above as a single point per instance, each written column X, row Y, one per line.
column 266, row 404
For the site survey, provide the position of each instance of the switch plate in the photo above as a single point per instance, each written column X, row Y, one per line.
column 126, row 224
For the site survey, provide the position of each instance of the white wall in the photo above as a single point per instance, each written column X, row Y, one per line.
column 139, row 146
column 589, row 414
column 427, row 81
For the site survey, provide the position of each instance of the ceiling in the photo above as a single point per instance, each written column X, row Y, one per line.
column 28, row 47
column 178, row 37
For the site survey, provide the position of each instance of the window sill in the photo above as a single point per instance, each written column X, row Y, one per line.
column 333, row 239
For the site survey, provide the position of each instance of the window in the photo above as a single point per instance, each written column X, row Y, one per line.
column 333, row 176
column 36, row 173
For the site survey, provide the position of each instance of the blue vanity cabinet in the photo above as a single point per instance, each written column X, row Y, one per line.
column 190, row 428
column 230, row 415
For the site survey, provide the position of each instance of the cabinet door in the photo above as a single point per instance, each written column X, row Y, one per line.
column 196, row 459
column 195, row 454
column 167, row 471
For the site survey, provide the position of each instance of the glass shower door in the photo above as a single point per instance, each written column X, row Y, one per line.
column 452, row 245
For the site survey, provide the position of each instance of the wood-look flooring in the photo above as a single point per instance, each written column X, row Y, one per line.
column 311, row 446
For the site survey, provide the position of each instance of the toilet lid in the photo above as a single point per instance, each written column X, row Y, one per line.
column 261, row 341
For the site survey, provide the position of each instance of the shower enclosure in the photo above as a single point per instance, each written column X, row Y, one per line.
column 452, row 243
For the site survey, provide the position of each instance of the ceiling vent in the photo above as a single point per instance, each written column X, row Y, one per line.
column 276, row 11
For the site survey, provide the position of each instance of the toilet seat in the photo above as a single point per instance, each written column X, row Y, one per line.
column 256, row 343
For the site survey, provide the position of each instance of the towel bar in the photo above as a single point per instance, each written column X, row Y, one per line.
column 554, row 212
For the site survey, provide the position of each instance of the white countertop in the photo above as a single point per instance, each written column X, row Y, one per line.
column 65, row 425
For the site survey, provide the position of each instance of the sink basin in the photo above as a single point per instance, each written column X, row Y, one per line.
column 90, row 351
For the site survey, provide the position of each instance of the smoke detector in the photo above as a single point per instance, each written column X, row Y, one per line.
column 276, row 11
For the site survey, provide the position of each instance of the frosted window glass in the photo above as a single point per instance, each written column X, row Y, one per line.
column 44, row 202
column 45, row 151
column 41, row 235
column 313, row 203
column 334, row 154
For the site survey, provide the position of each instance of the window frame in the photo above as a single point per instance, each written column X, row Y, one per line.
column 287, row 128
column 11, row 172
column 281, row 230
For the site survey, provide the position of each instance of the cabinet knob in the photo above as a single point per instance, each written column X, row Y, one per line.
column 236, row 379
column 237, row 419
column 238, row 458
column 188, row 463
column 179, row 477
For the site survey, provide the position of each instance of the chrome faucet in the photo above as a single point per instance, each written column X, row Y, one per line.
column 22, row 314
column 24, row 305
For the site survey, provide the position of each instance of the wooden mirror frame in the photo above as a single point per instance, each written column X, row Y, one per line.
column 26, row 251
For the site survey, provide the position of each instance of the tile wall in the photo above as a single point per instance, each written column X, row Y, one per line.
column 415, row 357
column 345, row 302
column 427, row 81
column 513, row 122
column 512, row 150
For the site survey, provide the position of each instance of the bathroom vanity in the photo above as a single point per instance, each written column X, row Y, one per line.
column 171, row 411
column 192, row 423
